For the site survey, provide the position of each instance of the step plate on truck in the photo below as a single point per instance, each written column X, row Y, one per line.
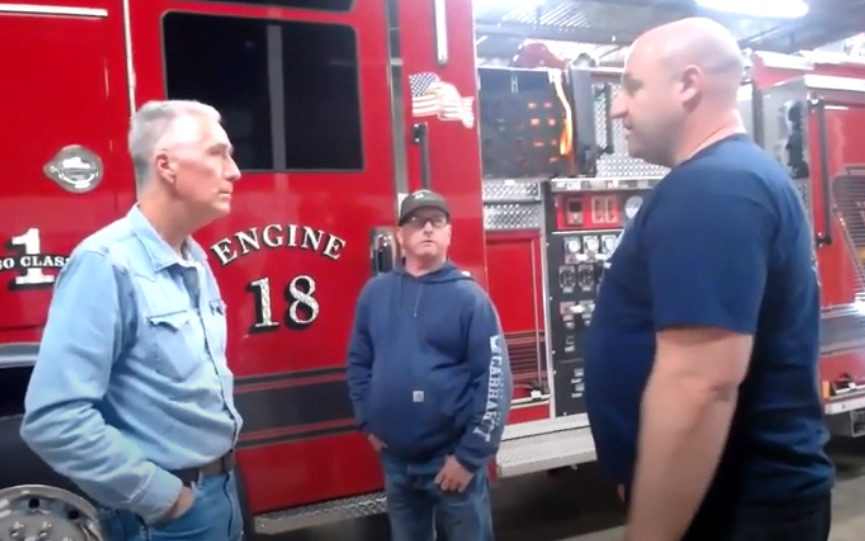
column 543, row 452
column 320, row 514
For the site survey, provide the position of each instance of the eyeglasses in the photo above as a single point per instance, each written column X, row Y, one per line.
column 419, row 222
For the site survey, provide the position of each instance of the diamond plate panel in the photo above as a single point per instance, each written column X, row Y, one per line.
column 545, row 452
column 511, row 190
column 512, row 216
column 619, row 163
column 319, row 514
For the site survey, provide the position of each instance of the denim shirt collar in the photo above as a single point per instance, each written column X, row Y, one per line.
column 162, row 256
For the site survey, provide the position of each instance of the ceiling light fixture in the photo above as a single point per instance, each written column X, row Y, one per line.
column 771, row 9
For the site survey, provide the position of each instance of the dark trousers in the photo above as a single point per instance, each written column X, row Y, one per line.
column 805, row 520
column 785, row 521
column 415, row 504
column 215, row 515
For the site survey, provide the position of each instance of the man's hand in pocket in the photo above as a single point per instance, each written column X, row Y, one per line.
column 181, row 505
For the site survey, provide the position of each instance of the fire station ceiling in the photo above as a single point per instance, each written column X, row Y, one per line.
column 603, row 28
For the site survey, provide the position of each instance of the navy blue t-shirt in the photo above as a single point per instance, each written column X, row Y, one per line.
column 722, row 241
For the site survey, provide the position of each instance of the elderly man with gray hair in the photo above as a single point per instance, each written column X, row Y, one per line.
column 131, row 397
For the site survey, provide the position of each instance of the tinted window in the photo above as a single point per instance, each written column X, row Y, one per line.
column 288, row 91
column 320, row 5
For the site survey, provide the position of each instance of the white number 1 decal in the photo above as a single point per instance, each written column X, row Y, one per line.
column 32, row 245
column 30, row 262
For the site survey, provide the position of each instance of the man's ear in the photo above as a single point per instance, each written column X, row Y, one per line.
column 691, row 82
column 164, row 167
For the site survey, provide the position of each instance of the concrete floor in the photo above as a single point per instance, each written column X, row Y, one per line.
column 848, row 506
column 582, row 506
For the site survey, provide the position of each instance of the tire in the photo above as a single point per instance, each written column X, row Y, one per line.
column 25, row 467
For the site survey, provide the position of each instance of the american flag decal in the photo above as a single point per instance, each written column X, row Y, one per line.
column 430, row 96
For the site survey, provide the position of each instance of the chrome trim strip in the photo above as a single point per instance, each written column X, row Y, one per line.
column 130, row 67
column 32, row 9
column 397, row 104
column 546, row 299
column 579, row 184
column 441, row 31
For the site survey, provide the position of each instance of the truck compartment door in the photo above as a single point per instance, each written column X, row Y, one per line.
column 63, row 143
column 304, row 91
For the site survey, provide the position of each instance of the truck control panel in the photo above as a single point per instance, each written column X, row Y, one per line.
column 584, row 218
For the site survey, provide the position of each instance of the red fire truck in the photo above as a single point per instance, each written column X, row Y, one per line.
column 337, row 109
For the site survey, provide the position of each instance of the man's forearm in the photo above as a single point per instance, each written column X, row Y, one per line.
column 77, row 443
column 682, row 434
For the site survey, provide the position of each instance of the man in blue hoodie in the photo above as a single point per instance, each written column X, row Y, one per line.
column 430, row 381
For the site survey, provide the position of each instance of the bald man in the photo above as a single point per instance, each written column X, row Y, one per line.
column 701, row 361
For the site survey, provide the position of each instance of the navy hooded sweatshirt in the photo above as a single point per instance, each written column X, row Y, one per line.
column 428, row 370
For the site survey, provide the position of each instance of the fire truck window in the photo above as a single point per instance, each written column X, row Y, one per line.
column 287, row 90
column 319, row 5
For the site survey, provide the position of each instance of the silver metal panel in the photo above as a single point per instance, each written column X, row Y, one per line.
column 18, row 354
column 545, row 452
column 511, row 205
column 512, row 217
column 511, row 191
column 844, row 405
column 850, row 424
column 319, row 514
column 544, row 426
column 584, row 184
column 620, row 163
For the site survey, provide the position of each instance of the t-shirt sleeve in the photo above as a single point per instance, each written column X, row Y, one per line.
column 708, row 241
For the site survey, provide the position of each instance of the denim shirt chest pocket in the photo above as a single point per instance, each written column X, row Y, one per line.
column 176, row 341
column 172, row 328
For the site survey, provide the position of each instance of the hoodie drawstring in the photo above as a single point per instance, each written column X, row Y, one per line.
column 416, row 300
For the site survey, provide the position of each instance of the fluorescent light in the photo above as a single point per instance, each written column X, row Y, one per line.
column 773, row 9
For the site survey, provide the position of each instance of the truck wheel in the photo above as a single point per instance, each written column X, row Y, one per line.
column 27, row 484
column 29, row 469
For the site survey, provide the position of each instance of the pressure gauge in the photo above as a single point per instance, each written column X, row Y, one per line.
column 632, row 205
column 610, row 242
column 592, row 244
column 573, row 245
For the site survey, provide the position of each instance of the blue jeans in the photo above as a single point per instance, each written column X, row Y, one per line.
column 415, row 503
column 215, row 515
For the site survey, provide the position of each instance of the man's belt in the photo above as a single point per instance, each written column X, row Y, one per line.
column 221, row 465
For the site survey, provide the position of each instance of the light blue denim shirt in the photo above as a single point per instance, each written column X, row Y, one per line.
column 131, row 380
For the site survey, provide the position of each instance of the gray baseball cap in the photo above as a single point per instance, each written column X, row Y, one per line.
column 422, row 199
